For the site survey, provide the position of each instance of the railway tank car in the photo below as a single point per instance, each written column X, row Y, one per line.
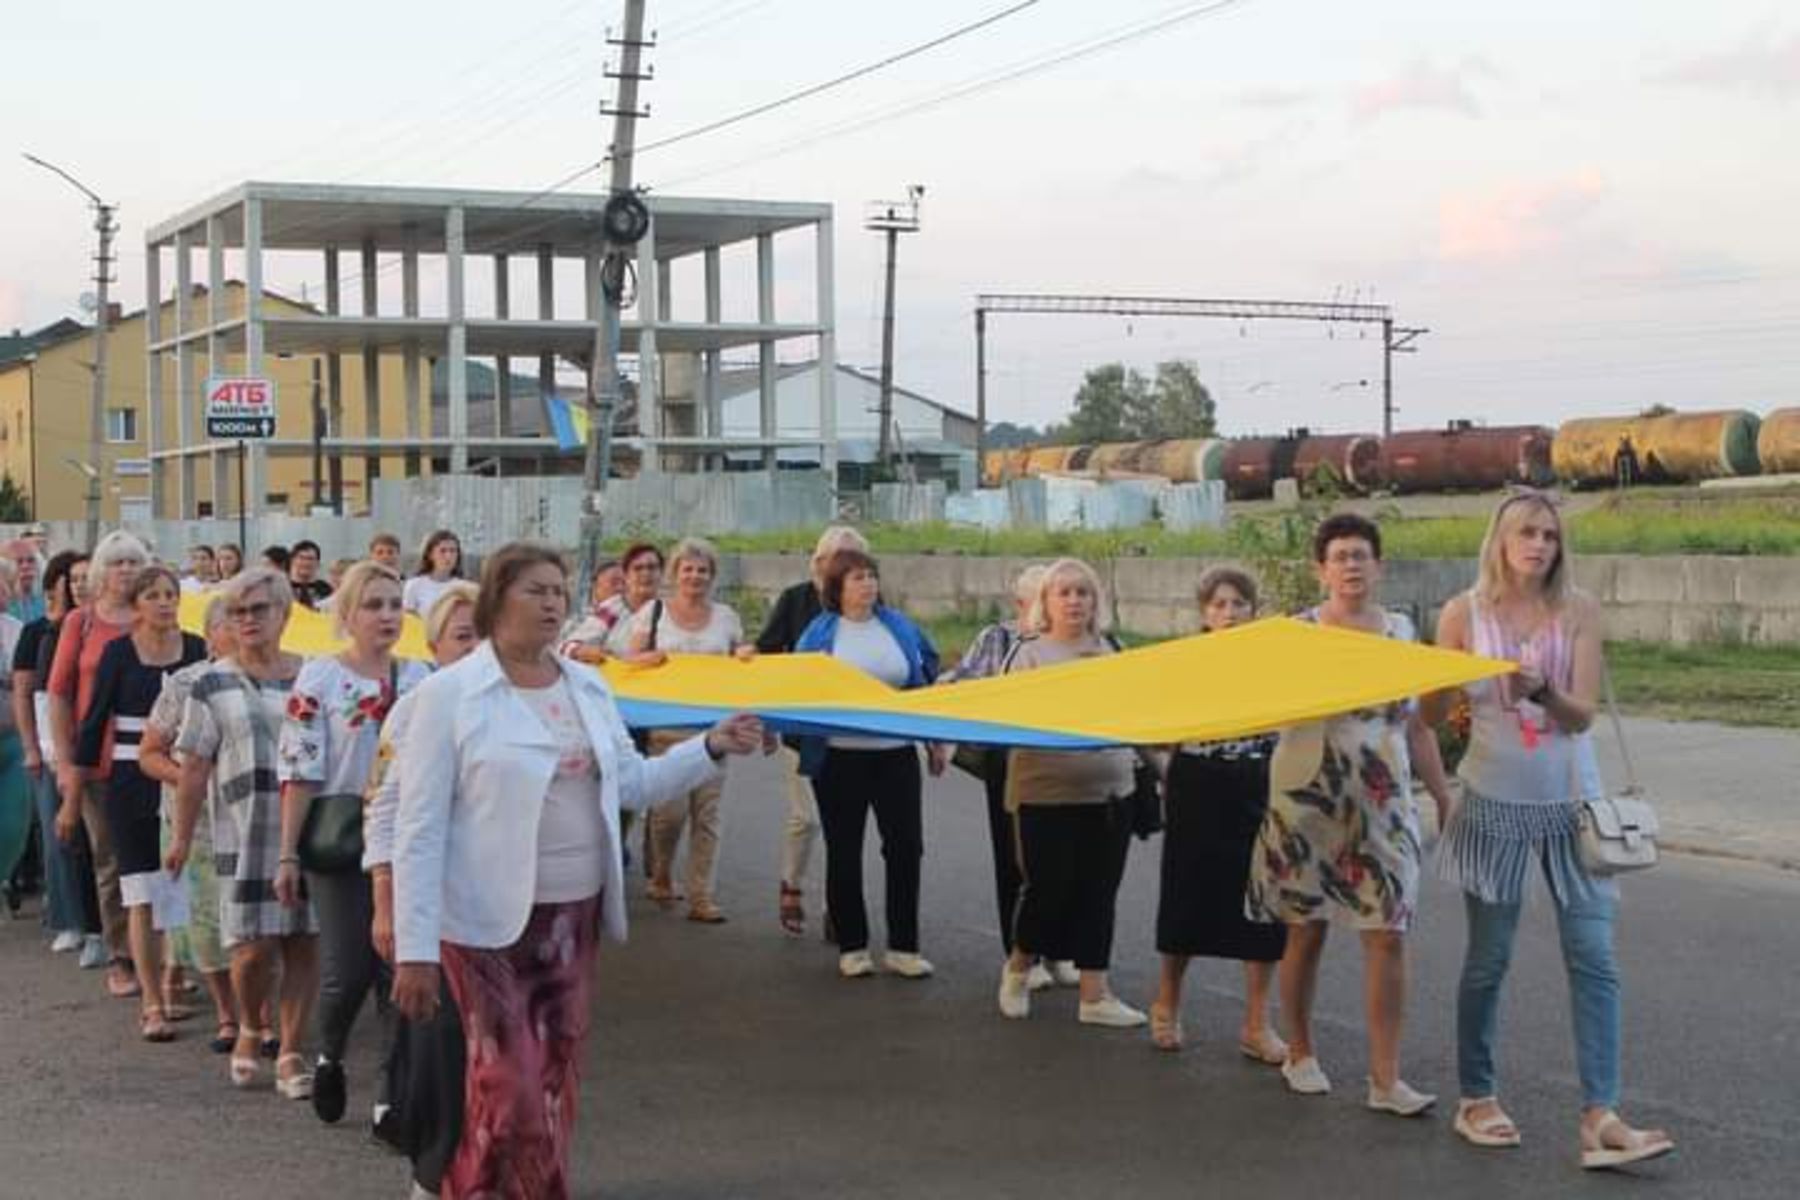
column 1467, row 458
column 1778, row 442
column 1666, row 448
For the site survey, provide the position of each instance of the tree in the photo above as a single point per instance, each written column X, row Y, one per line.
column 15, row 505
column 1004, row 435
column 1118, row 404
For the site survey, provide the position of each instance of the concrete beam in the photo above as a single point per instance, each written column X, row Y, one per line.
column 459, row 344
column 768, row 418
column 153, row 373
column 186, row 386
column 826, row 296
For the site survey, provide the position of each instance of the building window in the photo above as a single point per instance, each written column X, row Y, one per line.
column 121, row 425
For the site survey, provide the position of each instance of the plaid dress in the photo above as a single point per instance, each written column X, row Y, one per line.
column 234, row 722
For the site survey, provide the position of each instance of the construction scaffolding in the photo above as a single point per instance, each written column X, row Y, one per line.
column 439, row 231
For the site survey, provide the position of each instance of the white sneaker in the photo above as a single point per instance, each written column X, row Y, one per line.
column 907, row 964
column 1305, row 1076
column 1401, row 1099
column 1015, row 993
column 1039, row 977
column 419, row 1193
column 93, row 952
column 855, row 964
column 1066, row 972
column 1110, row 1011
column 66, row 941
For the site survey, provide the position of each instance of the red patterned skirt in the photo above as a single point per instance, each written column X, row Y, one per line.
column 525, row 1014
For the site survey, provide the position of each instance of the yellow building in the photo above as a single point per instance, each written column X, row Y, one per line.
column 46, row 401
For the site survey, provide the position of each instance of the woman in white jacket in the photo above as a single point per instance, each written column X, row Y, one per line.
column 507, row 862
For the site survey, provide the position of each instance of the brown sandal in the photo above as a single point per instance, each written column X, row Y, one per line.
column 154, row 1027
column 793, row 912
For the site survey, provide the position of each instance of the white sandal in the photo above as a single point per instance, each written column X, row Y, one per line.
column 1641, row 1145
column 297, row 1086
column 1495, row 1131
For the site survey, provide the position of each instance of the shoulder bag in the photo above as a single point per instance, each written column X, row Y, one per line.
column 1618, row 832
column 1144, row 806
column 331, row 837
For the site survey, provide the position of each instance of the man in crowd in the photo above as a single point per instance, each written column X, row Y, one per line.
column 303, row 574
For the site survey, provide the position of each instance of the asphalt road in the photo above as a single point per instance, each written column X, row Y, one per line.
column 733, row 1062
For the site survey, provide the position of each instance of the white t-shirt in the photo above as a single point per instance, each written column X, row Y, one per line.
column 722, row 633
column 422, row 591
column 572, row 840
column 870, row 648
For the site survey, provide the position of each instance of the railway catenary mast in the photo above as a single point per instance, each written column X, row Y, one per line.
column 1395, row 339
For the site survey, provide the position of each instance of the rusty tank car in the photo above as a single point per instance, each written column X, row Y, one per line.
column 1670, row 448
column 1467, row 458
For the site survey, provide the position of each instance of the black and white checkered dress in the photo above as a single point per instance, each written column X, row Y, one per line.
column 235, row 722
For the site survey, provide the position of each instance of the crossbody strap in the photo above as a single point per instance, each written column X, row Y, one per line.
column 1612, row 710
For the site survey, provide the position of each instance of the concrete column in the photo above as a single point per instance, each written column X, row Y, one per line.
column 503, row 424
column 546, row 298
column 651, row 310
column 334, row 383
column 371, row 372
column 711, row 360
column 256, row 470
column 459, row 344
column 826, row 293
column 153, row 375
column 768, row 419
column 417, row 408
column 215, row 352
column 187, row 434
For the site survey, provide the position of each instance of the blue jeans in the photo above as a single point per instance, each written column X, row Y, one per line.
column 69, row 902
column 1586, row 926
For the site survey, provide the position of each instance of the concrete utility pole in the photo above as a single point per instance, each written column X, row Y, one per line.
column 1394, row 340
column 624, row 221
column 105, row 226
column 892, row 219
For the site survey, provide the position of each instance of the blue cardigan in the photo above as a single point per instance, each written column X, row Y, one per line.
column 819, row 637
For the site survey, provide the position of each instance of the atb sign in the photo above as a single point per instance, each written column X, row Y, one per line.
column 240, row 409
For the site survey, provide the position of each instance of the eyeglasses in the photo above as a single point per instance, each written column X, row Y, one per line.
column 1345, row 558
column 250, row 612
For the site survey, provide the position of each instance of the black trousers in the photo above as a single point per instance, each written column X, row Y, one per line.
column 1006, row 848
column 349, row 968
column 1073, row 859
column 849, row 784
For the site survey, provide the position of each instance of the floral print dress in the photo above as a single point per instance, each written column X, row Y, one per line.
column 1349, row 837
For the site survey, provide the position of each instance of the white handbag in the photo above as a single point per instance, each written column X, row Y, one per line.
column 1618, row 832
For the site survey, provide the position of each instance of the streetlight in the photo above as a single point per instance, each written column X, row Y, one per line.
column 104, row 226
column 1347, row 383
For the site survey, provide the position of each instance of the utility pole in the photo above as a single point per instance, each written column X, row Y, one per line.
column 105, row 226
column 1394, row 340
column 624, row 220
column 891, row 218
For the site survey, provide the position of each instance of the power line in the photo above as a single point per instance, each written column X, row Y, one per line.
column 1021, row 70
column 838, row 81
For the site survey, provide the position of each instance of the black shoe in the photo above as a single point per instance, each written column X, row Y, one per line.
column 328, row 1091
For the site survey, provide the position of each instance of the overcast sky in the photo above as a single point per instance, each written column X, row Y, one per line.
column 1591, row 204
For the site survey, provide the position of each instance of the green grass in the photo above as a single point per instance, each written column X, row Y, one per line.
column 1681, row 523
column 1733, row 684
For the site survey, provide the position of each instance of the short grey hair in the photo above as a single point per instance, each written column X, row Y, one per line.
column 281, row 593
column 216, row 612
column 116, row 547
column 697, row 548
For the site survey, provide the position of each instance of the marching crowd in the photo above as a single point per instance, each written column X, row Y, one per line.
column 449, row 840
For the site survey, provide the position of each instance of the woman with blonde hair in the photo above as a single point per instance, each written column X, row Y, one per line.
column 328, row 742
column 690, row 621
column 1529, row 765
column 1069, row 817
column 230, row 734
column 794, row 610
column 83, row 637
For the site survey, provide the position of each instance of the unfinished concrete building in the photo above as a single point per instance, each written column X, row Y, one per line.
column 508, row 281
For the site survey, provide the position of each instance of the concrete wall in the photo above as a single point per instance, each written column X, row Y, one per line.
column 1678, row 600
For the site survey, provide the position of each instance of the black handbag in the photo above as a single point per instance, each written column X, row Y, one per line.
column 1144, row 806
column 331, row 837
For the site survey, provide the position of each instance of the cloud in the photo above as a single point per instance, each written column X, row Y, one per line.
column 1422, row 85
column 1517, row 219
column 1272, row 97
column 1763, row 65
